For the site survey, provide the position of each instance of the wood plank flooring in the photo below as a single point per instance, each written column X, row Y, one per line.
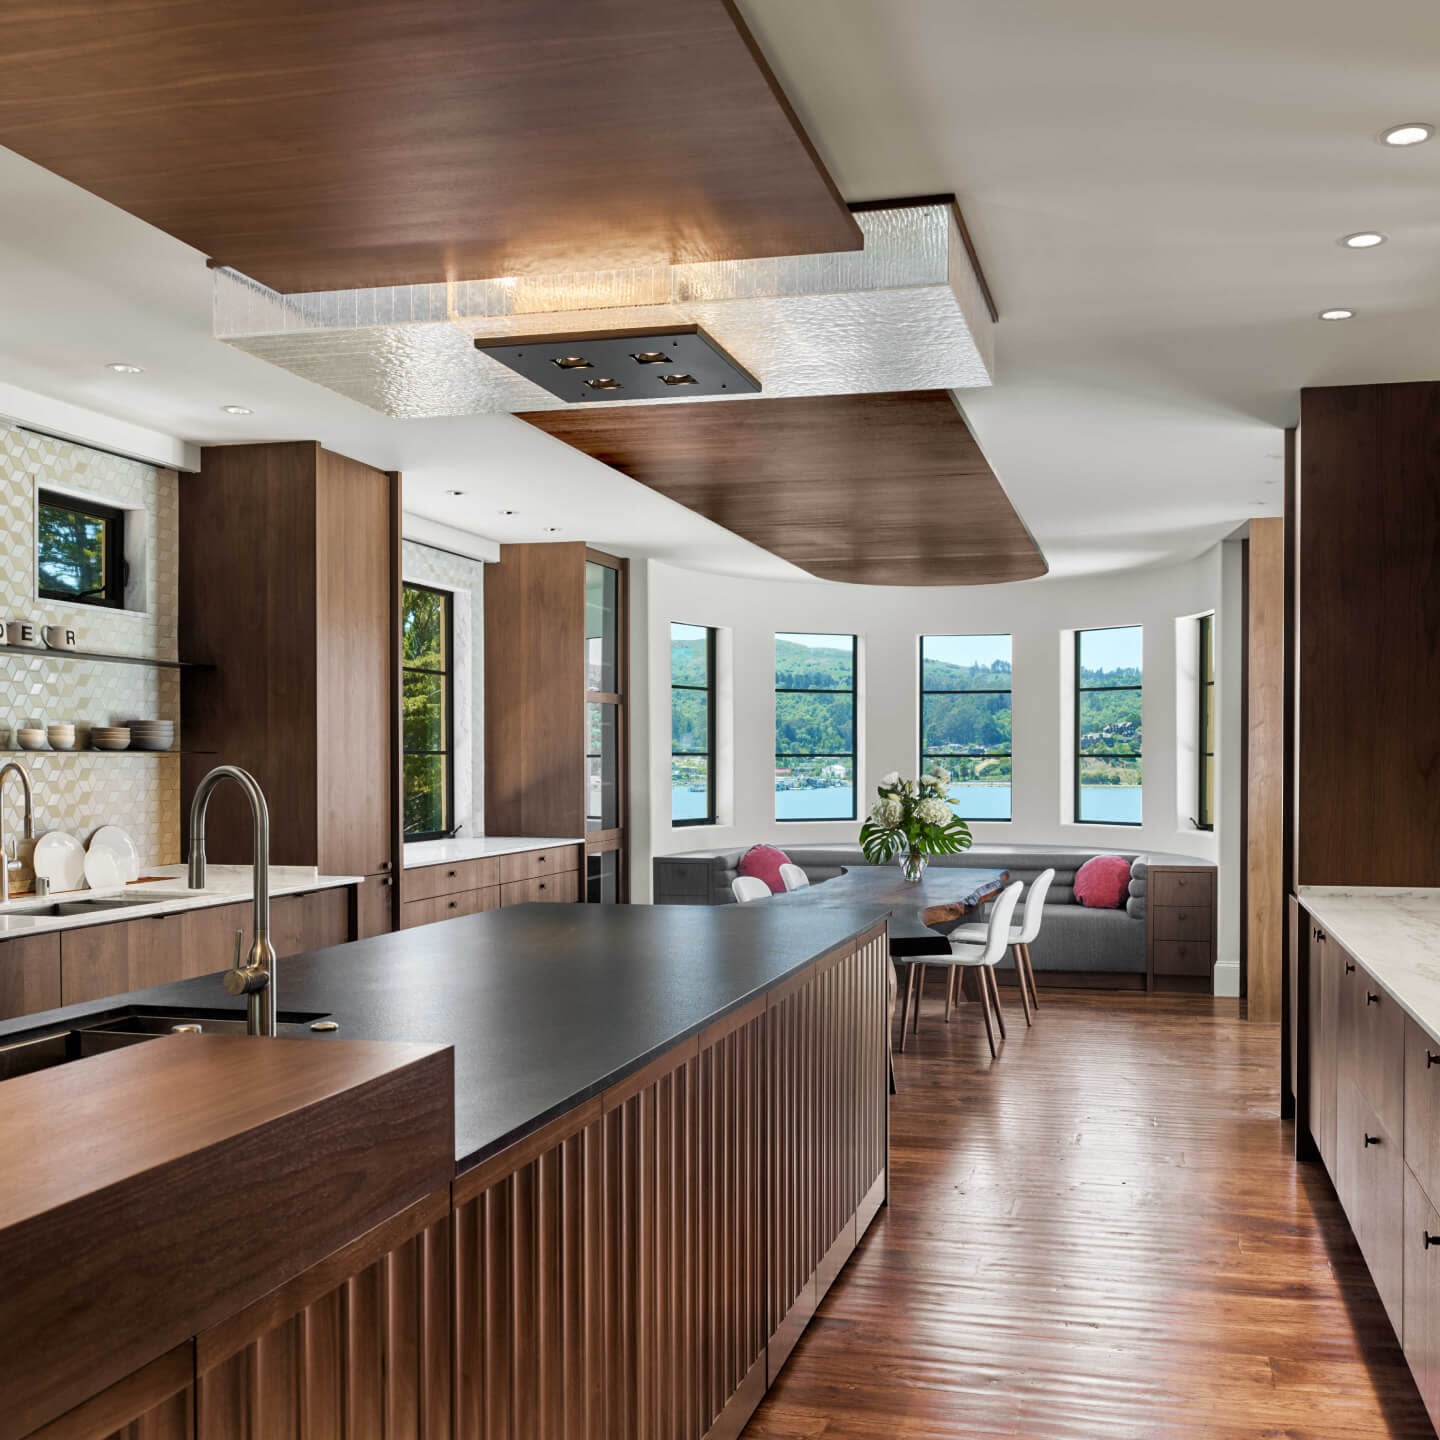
column 1100, row 1235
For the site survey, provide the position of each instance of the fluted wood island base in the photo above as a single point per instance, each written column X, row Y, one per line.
column 637, row 1266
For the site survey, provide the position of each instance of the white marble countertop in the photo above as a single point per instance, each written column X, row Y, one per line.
column 447, row 852
column 165, row 895
column 1393, row 933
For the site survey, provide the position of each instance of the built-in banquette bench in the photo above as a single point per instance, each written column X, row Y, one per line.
column 1164, row 938
column 1367, row 1036
column 444, row 879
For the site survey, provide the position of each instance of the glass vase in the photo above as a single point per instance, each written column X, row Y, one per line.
column 912, row 865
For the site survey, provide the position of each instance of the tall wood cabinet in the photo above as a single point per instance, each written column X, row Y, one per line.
column 556, row 682
column 289, row 588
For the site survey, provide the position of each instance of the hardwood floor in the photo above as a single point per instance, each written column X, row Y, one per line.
column 1100, row 1235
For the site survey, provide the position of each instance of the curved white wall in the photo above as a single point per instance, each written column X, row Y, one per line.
column 888, row 621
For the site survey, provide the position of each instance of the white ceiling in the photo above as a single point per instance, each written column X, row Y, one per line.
column 1155, row 191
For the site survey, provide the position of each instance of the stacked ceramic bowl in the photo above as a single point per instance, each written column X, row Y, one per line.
column 152, row 734
column 110, row 737
column 61, row 737
column 30, row 737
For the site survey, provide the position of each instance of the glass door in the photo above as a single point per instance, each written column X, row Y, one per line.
column 606, row 733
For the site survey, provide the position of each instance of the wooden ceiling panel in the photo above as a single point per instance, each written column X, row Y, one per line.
column 884, row 489
column 339, row 144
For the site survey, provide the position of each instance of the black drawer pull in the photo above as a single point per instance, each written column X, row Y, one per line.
column 1349, row 967
column 1371, row 1140
column 1431, row 1058
column 451, row 874
column 542, row 884
column 1431, row 1239
column 452, row 904
column 1371, row 998
column 384, row 864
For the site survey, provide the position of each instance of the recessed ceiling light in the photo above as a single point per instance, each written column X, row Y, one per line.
column 650, row 357
column 604, row 382
column 121, row 368
column 1416, row 132
column 237, row 409
column 454, row 492
column 1362, row 240
column 678, row 380
column 508, row 512
column 552, row 529
column 1337, row 314
column 570, row 362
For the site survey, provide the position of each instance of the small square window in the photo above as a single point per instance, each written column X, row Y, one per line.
column 80, row 551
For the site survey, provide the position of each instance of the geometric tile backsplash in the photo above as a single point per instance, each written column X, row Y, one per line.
column 82, row 790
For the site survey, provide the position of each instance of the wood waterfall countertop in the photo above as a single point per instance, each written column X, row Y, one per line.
column 545, row 1005
column 1394, row 934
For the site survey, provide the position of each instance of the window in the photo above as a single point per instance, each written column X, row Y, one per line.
column 1205, row 799
column 427, row 711
column 692, row 725
column 814, row 727
column 80, row 551
column 1107, row 726
column 965, row 720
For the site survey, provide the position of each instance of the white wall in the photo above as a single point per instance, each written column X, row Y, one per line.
column 888, row 621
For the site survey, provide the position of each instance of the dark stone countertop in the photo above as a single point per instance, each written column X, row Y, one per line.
column 545, row 1005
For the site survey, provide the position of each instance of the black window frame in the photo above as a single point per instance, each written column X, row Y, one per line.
column 447, row 817
column 117, row 570
column 927, row 755
column 1080, row 755
column 1205, row 759
column 852, row 755
column 708, row 754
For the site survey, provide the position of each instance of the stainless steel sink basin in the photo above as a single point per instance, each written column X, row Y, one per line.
column 59, row 908
column 115, row 1032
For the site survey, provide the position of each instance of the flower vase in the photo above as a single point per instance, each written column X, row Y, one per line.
column 912, row 865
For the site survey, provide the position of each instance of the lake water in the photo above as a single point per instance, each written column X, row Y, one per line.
column 1118, row 804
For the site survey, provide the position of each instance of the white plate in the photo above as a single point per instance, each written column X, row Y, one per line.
column 117, row 840
column 60, row 858
column 104, row 869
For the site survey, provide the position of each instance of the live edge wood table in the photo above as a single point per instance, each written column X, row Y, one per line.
column 921, row 912
column 669, row 1131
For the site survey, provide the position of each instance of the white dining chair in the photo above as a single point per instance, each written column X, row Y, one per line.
column 983, row 957
column 1021, row 937
column 793, row 877
column 746, row 888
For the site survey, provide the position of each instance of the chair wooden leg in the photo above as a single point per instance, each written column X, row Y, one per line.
column 985, row 1011
column 989, row 972
column 1030, row 973
column 906, row 1002
column 919, row 995
column 950, row 994
column 1024, row 984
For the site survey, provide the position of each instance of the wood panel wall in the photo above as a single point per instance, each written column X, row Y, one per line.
column 622, row 1274
column 1264, row 917
column 1368, row 600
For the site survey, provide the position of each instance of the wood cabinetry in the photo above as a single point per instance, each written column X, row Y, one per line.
column 1369, row 1178
column 29, row 975
column 289, row 586
column 157, row 1402
column 1181, row 926
column 468, row 887
column 556, row 684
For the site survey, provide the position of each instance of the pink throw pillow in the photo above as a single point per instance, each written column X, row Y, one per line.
column 764, row 862
column 1103, row 883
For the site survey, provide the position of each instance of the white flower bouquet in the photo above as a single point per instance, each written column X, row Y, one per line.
column 912, row 820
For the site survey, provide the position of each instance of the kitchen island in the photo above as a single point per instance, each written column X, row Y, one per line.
column 670, row 1131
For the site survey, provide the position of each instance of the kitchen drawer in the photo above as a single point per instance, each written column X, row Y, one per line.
column 1422, row 1109
column 1181, row 887
column 1183, row 957
column 449, row 907
column 1181, row 922
column 29, row 974
column 1372, row 1043
column 529, row 864
column 430, row 880
column 557, row 888
column 1420, row 1334
column 1370, row 1180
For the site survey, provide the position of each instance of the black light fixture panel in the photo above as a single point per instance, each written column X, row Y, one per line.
column 624, row 364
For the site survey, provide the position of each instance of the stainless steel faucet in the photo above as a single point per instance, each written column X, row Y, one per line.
column 24, row 775
column 256, row 979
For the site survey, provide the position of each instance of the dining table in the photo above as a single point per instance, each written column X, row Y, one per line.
column 921, row 912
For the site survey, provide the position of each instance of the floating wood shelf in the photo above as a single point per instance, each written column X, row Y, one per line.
column 145, row 660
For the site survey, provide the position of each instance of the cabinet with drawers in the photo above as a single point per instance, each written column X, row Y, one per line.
column 1181, row 927
column 468, row 887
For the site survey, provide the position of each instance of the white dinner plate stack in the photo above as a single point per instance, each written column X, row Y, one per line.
column 152, row 734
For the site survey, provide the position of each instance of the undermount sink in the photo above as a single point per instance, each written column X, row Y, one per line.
column 59, row 909
column 115, row 1032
